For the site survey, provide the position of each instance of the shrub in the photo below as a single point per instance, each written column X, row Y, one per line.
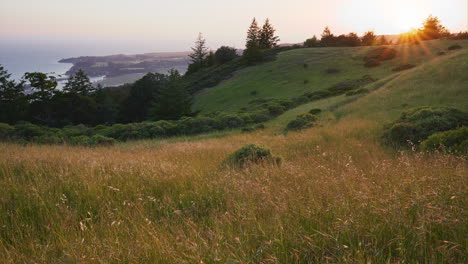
column 100, row 140
column 232, row 121
column 311, row 96
column 251, row 154
column 6, row 131
column 47, row 139
column 332, row 71
column 259, row 116
column 358, row 91
column 315, row 111
column 455, row 47
column 80, row 140
column 275, row 109
column 403, row 67
column 371, row 63
column 418, row 124
column 28, row 131
column 254, row 128
column 349, row 85
column 247, row 129
column 259, row 126
column 381, row 54
column 301, row 122
column 453, row 141
column 195, row 125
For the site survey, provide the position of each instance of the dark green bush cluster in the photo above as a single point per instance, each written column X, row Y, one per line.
column 416, row 125
column 377, row 55
column 453, row 141
column 350, row 85
column 301, row 121
column 96, row 140
column 358, row 91
column 381, row 54
column 253, row 128
column 403, row 67
column 75, row 135
column 332, row 71
column 251, row 154
column 455, row 47
column 315, row 111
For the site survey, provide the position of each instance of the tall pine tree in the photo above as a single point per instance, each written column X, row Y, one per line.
column 199, row 54
column 267, row 38
column 79, row 83
column 13, row 103
column 252, row 51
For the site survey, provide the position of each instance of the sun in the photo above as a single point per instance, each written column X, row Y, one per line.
column 407, row 19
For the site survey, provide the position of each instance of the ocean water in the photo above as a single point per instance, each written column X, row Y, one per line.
column 19, row 56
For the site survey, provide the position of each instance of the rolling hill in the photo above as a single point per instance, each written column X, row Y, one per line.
column 338, row 196
column 304, row 70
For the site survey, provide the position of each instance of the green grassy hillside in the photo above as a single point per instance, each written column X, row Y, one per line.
column 441, row 81
column 303, row 70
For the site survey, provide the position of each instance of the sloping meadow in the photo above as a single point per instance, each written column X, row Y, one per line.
column 337, row 196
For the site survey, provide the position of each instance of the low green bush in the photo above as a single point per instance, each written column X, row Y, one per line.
column 100, row 140
column 358, row 91
column 332, row 71
column 251, row 154
column 455, row 47
column 453, row 141
column 417, row 124
column 301, row 121
column 6, row 131
column 372, row 63
column 315, row 111
column 80, row 141
column 381, row 54
column 403, row 67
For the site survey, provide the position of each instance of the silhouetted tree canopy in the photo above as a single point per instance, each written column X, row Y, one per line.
column 79, row 83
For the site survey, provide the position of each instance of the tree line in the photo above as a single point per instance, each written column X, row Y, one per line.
column 37, row 99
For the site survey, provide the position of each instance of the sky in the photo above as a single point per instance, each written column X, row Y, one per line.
column 174, row 25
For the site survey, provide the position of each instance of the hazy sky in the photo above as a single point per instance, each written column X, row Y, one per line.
column 173, row 25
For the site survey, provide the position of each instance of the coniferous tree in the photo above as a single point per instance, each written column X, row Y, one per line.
column 200, row 51
column 383, row 40
column 42, row 85
column 136, row 106
column 173, row 102
column 312, row 42
column 13, row 103
column 44, row 89
column 266, row 36
column 79, row 83
column 433, row 29
column 327, row 37
column 369, row 38
column 252, row 51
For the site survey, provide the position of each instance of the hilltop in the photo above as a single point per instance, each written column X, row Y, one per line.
column 298, row 71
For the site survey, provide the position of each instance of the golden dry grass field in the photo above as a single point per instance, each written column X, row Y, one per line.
column 337, row 197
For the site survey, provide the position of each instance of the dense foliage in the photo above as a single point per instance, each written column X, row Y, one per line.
column 453, row 141
column 416, row 125
column 251, row 154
